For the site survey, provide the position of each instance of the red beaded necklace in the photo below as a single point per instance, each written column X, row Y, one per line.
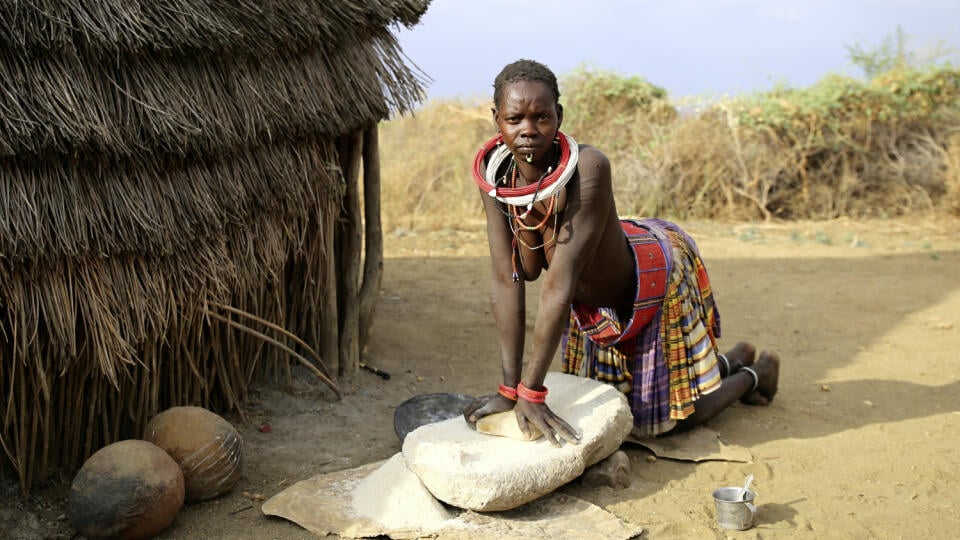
column 519, row 218
column 517, row 224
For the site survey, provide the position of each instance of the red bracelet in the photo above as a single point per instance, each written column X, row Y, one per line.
column 532, row 396
column 507, row 392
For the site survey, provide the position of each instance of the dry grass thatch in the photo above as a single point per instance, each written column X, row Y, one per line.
column 173, row 178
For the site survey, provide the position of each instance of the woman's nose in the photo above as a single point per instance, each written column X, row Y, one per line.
column 528, row 128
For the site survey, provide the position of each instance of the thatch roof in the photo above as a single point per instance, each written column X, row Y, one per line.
column 157, row 158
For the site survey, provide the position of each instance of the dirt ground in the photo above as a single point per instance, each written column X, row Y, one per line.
column 859, row 443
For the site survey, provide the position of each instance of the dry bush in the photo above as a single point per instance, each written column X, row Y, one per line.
column 841, row 148
column 426, row 160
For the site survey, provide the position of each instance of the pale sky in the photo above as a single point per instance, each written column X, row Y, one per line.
column 689, row 47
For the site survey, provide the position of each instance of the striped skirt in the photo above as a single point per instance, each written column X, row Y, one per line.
column 666, row 365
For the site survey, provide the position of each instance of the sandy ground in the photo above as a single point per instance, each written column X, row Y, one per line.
column 859, row 443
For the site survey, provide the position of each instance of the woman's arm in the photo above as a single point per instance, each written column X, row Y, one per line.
column 585, row 219
column 508, row 302
column 507, row 297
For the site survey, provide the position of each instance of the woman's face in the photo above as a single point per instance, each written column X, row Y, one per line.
column 528, row 117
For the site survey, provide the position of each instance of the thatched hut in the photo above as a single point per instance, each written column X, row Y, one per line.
column 180, row 205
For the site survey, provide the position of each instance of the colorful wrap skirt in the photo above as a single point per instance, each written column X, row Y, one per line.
column 664, row 357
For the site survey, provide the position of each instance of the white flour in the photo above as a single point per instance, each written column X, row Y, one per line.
column 395, row 498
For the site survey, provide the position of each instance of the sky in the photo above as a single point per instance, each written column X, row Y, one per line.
column 708, row 48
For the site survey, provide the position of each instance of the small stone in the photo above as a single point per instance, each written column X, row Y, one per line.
column 651, row 459
column 825, row 388
column 613, row 471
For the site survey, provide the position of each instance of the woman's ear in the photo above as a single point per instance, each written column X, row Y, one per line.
column 559, row 115
column 493, row 113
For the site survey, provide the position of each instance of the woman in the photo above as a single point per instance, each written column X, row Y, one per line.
column 550, row 210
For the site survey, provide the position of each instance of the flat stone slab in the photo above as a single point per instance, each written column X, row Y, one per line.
column 343, row 503
column 479, row 472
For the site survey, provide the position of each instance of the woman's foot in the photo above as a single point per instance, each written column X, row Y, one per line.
column 767, row 369
column 742, row 354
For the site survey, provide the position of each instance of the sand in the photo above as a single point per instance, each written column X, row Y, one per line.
column 860, row 442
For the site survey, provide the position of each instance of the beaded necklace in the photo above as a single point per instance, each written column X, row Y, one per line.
column 494, row 153
column 517, row 223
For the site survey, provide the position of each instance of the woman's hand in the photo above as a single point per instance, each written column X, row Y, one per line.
column 485, row 405
column 540, row 416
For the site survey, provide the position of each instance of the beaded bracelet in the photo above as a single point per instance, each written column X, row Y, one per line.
column 533, row 396
column 507, row 392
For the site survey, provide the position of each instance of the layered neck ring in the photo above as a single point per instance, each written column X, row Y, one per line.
column 553, row 182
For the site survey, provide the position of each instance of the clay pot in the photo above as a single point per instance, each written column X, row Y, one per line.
column 207, row 448
column 129, row 489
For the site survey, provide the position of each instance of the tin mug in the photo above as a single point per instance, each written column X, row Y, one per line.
column 732, row 511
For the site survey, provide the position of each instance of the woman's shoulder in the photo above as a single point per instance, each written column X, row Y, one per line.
column 591, row 157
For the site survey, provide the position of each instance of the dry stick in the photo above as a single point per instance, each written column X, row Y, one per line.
column 349, row 254
column 105, row 416
column 93, row 395
column 59, row 411
column 119, row 399
column 33, row 432
column 225, row 348
column 234, row 349
column 329, row 320
column 278, row 328
column 309, row 365
column 221, row 371
column 250, row 373
column 373, row 260
column 3, row 443
column 23, row 442
column 47, row 431
column 76, row 390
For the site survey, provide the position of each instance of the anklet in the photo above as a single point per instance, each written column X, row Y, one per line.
column 726, row 363
column 756, row 378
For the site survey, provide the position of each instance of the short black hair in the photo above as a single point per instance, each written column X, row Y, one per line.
column 524, row 70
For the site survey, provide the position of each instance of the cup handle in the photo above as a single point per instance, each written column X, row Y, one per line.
column 753, row 514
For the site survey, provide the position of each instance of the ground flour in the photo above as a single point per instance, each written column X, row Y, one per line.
column 394, row 497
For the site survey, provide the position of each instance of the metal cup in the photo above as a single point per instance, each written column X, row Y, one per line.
column 732, row 511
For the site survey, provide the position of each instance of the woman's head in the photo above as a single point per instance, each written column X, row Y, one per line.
column 526, row 110
column 524, row 70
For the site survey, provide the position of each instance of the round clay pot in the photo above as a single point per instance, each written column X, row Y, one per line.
column 207, row 448
column 129, row 489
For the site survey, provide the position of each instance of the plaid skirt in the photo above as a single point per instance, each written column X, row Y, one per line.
column 665, row 356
